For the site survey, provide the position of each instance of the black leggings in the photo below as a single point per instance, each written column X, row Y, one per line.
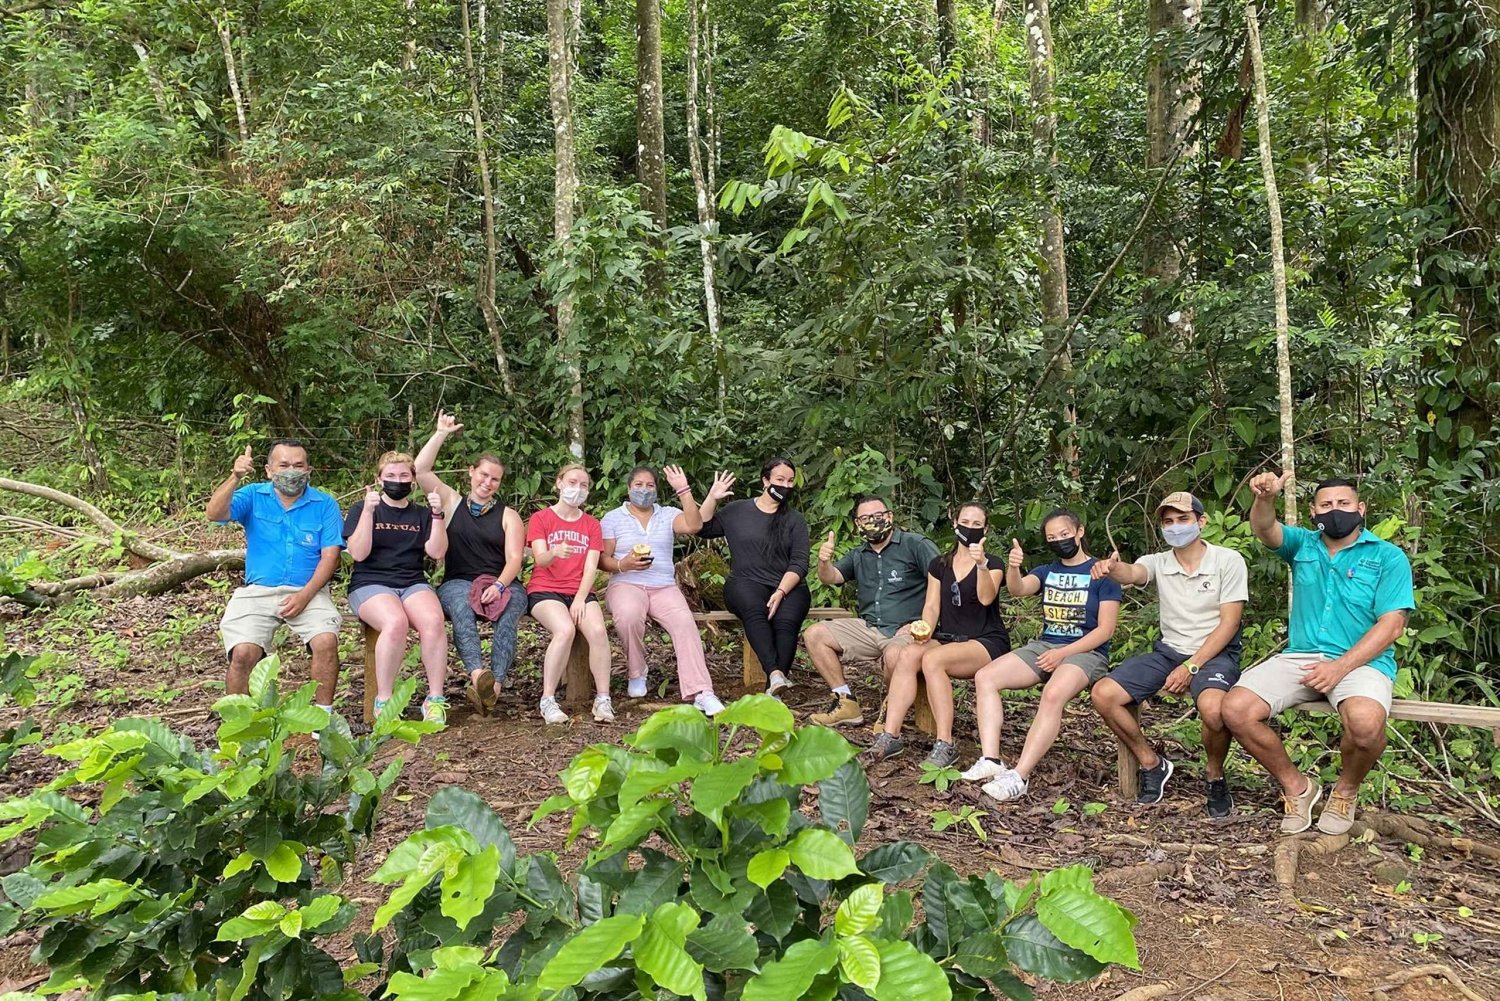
column 773, row 640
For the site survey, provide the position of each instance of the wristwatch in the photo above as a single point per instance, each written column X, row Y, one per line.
column 1192, row 666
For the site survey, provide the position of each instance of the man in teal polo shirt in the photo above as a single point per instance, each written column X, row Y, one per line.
column 294, row 534
column 889, row 569
column 1351, row 592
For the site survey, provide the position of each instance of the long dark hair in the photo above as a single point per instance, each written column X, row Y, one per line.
column 781, row 532
column 958, row 513
column 1068, row 514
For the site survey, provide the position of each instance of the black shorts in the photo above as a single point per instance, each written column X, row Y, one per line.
column 1143, row 675
column 995, row 646
column 533, row 600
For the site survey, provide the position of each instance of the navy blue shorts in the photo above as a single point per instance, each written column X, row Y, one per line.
column 1143, row 675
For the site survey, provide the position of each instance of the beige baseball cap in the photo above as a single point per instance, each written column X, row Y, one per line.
column 1180, row 501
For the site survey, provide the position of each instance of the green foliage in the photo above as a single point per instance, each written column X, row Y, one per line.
column 199, row 871
column 707, row 880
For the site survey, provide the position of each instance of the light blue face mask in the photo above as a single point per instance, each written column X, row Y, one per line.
column 1178, row 536
column 643, row 496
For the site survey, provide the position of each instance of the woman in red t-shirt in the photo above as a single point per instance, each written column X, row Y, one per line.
column 565, row 544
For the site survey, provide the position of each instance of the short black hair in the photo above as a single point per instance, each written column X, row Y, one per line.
column 1336, row 481
column 863, row 499
column 286, row 443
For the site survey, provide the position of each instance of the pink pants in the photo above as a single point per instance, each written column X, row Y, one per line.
column 630, row 605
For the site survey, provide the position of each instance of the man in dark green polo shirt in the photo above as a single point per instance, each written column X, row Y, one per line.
column 889, row 570
column 1351, row 592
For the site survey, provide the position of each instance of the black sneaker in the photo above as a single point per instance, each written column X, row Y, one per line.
column 885, row 746
column 1154, row 781
column 1220, row 799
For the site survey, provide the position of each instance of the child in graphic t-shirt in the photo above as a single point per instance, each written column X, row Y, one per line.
column 1078, row 615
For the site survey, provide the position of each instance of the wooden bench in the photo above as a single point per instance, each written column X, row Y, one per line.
column 1128, row 768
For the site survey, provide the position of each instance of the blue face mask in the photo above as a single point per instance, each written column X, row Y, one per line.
column 643, row 496
column 1178, row 536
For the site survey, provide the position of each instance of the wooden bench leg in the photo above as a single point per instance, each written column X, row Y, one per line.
column 923, row 709
column 578, row 680
column 754, row 675
column 1127, row 768
column 370, row 636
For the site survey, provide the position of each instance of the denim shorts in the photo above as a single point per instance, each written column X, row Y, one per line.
column 365, row 592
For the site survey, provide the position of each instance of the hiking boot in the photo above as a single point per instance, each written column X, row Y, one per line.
column 604, row 712
column 943, row 755
column 776, row 683
column 435, row 710
column 1154, row 781
column 1299, row 808
column 843, row 711
column 885, row 746
column 1338, row 816
column 708, row 704
column 635, row 688
column 481, row 692
column 1220, row 799
column 1005, row 787
column 984, row 769
column 551, row 712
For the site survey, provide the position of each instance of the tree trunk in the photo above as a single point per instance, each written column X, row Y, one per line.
column 1173, row 94
column 707, row 223
column 710, row 103
column 1054, row 276
column 1314, row 16
column 1278, row 267
column 947, row 31
column 409, row 47
column 486, row 288
column 565, row 198
column 651, row 142
column 1458, row 173
column 241, row 114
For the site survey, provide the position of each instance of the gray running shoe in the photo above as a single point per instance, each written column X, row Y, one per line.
column 885, row 746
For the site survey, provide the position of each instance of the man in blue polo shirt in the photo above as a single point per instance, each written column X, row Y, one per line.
column 1351, row 592
column 293, row 536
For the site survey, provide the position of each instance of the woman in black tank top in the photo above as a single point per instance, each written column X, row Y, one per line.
column 486, row 542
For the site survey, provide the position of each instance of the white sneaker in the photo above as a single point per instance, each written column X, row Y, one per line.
column 708, row 704
column 1006, row 786
column 603, row 711
column 552, row 712
column 777, row 683
column 983, row 770
column 636, row 687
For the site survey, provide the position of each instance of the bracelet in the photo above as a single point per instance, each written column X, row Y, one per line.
column 438, row 516
column 684, row 490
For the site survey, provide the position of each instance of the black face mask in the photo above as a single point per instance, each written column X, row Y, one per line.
column 1065, row 548
column 1338, row 524
column 968, row 536
column 396, row 489
column 780, row 494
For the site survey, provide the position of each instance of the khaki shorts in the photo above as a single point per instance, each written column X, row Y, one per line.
column 857, row 640
column 1277, row 680
column 251, row 616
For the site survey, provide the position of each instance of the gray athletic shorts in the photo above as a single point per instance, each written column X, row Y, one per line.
column 1093, row 663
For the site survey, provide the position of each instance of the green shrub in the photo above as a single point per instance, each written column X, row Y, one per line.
column 162, row 867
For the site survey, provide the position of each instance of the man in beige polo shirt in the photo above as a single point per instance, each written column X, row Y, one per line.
column 1202, row 589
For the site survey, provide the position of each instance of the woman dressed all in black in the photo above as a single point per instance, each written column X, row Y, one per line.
column 768, row 564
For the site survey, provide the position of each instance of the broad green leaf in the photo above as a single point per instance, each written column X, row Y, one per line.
column 660, row 952
column 860, row 911
column 767, row 866
column 582, row 776
column 238, row 864
column 719, row 785
column 455, row 806
column 814, row 754
column 284, row 864
column 630, row 827
column 791, row 975
column 771, row 816
column 589, row 949
column 860, row 961
column 775, row 911
column 654, row 884
column 320, row 910
column 243, row 927
column 291, row 925
column 844, row 798
column 433, row 861
column 1036, row 950
column 1093, row 924
column 895, row 862
column 821, row 854
column 263, row 677
column 895, row 916
column 682, row 729
column 982, row 954
column 303, row 719
column 266, row 910
column 906, row 974
column 466, row 887
column 549, row 806
column 725, row 943
column 760, row 712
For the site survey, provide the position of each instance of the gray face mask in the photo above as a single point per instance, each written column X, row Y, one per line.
column 643, row 496
column 290, row 482
column 1178, row 536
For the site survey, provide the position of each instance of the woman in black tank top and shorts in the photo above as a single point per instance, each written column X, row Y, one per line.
column 486, row 543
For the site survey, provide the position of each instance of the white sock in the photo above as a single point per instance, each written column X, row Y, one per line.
column 844, row 691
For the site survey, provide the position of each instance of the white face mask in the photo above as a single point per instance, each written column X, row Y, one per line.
column 573, row 495
column 1178, row 536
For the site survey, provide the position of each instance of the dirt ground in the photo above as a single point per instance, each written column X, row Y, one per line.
column 1213, row 924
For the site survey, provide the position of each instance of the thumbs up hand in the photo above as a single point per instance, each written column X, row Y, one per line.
column 1267, row 484
column 1017, row 554
column 825, row 551
column 244, row 465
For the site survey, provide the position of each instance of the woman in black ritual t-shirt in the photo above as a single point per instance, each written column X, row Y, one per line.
column 388, row 536
column 963, row 612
